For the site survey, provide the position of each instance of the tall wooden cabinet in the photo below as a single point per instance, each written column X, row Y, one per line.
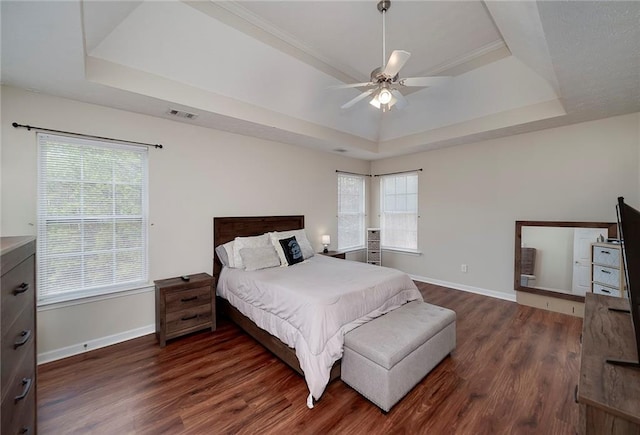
column 607, row 270
column 18, row 329
column 374, row 254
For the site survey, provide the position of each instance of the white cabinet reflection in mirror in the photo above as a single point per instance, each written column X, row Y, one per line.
column 607, row 271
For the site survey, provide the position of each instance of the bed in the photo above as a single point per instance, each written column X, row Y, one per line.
column 270, row 304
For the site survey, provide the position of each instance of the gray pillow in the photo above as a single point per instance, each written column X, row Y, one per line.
column 259, row 258
column 222, row 255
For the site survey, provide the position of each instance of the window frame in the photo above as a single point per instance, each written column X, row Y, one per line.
column 362, row 214
column 384, row 229
column 82, row 219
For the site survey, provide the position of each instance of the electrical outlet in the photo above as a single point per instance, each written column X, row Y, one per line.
column 464, row 268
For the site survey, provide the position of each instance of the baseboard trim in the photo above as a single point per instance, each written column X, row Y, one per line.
column 76, row 349
column 467, row 288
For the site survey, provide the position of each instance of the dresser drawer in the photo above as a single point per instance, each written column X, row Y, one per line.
column 18, row 287
column 373, row 256
column 18, row 403
column 23, row 423
column 373, row 245
column 606, row 256
column 608, row 291
column 606, row 275
column 373, row 235
column 179, row 300
column 17, row 344
column 195, row 317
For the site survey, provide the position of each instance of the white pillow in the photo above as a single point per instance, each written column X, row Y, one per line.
column 301, row 238
column 259, row 258
column 247, row 242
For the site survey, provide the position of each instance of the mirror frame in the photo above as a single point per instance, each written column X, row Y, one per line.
column 612, row 233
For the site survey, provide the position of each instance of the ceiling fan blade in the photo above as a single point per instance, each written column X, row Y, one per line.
column 353, row 85
column 360, row 97
column 396, row 61
column 424, row 81
column 401, row 102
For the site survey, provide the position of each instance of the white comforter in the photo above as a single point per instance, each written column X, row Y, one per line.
column 311, row 305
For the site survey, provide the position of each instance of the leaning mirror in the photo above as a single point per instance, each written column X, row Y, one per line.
column 554, row 258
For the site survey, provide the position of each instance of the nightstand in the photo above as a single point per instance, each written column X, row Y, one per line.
column 183, row 307
column 335, row 254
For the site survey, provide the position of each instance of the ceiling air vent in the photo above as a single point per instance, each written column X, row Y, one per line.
column 181, row 114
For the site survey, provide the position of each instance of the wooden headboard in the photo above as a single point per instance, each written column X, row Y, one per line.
column 226, row 229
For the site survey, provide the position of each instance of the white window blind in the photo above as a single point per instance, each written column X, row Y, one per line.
column 351, row 215
column 399, row 211
column 92, row 217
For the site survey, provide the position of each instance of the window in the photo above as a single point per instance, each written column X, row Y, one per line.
column 351, row 214
column 399, row 211
column 92, row 218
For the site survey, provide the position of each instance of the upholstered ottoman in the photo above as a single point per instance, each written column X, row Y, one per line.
column 385, row 358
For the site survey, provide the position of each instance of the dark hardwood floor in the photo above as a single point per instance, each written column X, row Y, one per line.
column 514, row 372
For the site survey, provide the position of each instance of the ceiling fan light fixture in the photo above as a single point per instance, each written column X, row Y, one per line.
column 380, row 100
column 384, row 96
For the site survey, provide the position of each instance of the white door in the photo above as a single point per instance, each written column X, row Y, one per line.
column 582, row 240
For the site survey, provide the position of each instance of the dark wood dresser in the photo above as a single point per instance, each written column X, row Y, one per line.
column 609, row 395
column 183, row 307
column 18, row 323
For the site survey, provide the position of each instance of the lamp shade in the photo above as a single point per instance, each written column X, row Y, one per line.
column 326, row 239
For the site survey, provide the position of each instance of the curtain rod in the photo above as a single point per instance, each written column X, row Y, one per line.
column 396, row 173
column 30, row 127
column 352, row 173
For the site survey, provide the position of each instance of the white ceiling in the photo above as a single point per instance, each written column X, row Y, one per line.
column 263, row 68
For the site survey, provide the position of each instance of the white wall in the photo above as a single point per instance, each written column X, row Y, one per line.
column 471, row 195
column 201, row 173
column 554, row 256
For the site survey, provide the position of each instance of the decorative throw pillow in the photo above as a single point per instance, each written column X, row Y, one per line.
column 301, row 238
column 291, row 250
column 259, row 258
column 247, row 242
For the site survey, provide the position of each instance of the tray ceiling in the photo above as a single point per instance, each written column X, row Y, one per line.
column 263, row 68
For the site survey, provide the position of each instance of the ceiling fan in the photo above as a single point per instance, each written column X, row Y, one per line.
column 385, row 82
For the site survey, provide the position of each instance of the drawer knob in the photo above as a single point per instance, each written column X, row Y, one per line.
column 26, row 386
column 192, row 298
column 605, row 252
column 189, row 318
column 604, row 290
column 24, row 337
column 21, row 288
column 605, row 271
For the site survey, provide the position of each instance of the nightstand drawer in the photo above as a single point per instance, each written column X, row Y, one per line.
column 606, row 256
column 373, row 245
column 373, row 235
column 606, row 275
column 189, row 318
column 180, row 300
